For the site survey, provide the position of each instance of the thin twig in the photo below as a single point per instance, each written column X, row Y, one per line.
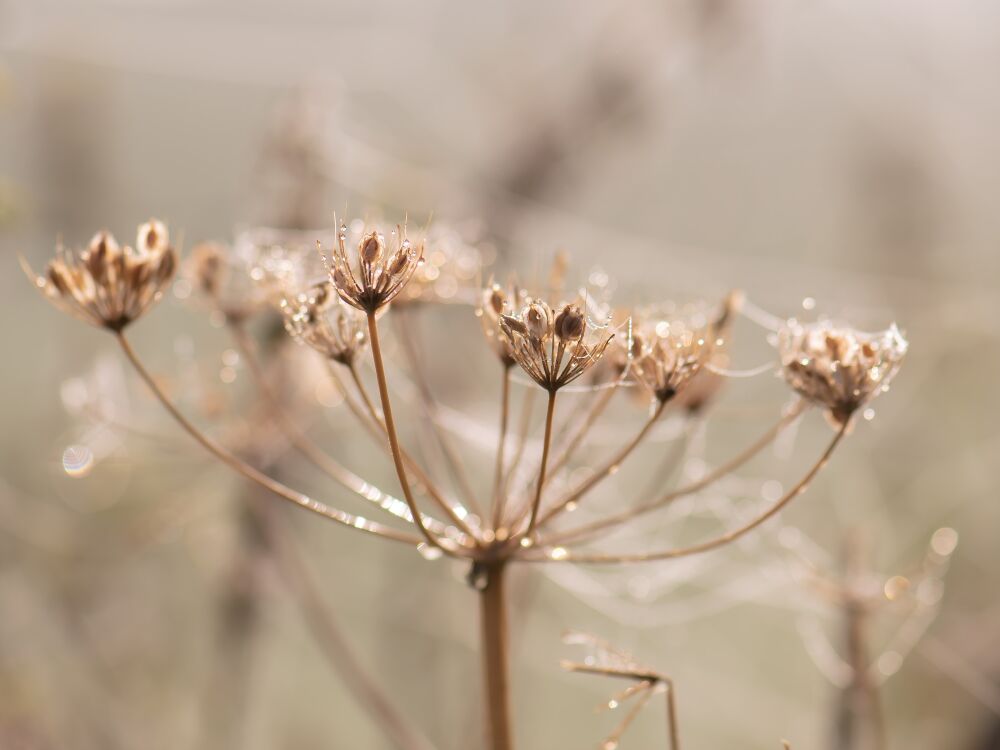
column 719, row 541
column 607, row 470
column 498, row 495
column 322, row 460
column 430, row 408
column 237, row 464
column 390, row 428
column 592, row 415
column 546, row 445
column 321, row 620
column 588, row 530
column 527, row 410
column 423, row 481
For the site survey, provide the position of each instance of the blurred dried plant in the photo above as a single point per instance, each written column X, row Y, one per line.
column 555, row 338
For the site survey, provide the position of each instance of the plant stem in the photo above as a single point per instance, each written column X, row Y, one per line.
column 582, row 532
column 546, row 446
column 672, row 733
column 609, row 467
column 248, row 471
column 499, row 491
column 494, row 634
column 424, row 484
column 407, row 338
column 390, row 428
column 719, row 541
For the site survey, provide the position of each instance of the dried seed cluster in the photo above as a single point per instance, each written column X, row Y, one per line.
column 380, row 271
column 107, row 285
column 495, row 300
column 553, row 348
column 318, row 319
column 669, row 355
column 837, row 368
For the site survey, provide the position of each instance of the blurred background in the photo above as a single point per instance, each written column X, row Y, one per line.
column 834, row 156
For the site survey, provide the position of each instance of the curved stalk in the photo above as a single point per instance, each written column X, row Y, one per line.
column 240, row 466
column 719, row 541
column 428, row 403
column 499, row 496
column 390, row 429
column 408, row 461
column 546, row 445
column 593, row 414
column 321, row 620
column 608, row 469
column 527, row 409
column 313, row 453
column 589, row 530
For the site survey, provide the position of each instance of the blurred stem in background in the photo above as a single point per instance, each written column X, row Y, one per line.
column 263, row 539
column 859, row 723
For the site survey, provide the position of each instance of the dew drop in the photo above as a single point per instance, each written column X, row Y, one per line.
column 944, row 541
column 77, row 461
column 428, row 552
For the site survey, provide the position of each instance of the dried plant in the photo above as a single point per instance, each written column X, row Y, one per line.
column 562, row 342
column 106, row 285
column 907, row 602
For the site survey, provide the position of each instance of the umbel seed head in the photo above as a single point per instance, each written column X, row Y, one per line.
column 554, row 350
column 320, row 320
column 376, row 277
column 838, row 368
column 106, row 285
column 669, row 353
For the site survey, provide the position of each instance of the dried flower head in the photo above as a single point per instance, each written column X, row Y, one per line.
column 107, row 285
column 554, row 348
column 838, row 368
column 318, row 319
column 666, row 355
column 381, row 270
column 260, row 269
column 706, row 384
column 495, row 301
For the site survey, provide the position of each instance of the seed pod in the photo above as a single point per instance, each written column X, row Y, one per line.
column 538, row 320
column 399, row 261
column 152, row 237
column 570, row 324
column 371, row 248
column 104, row 242
column 513, row 326
column 496, row 299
